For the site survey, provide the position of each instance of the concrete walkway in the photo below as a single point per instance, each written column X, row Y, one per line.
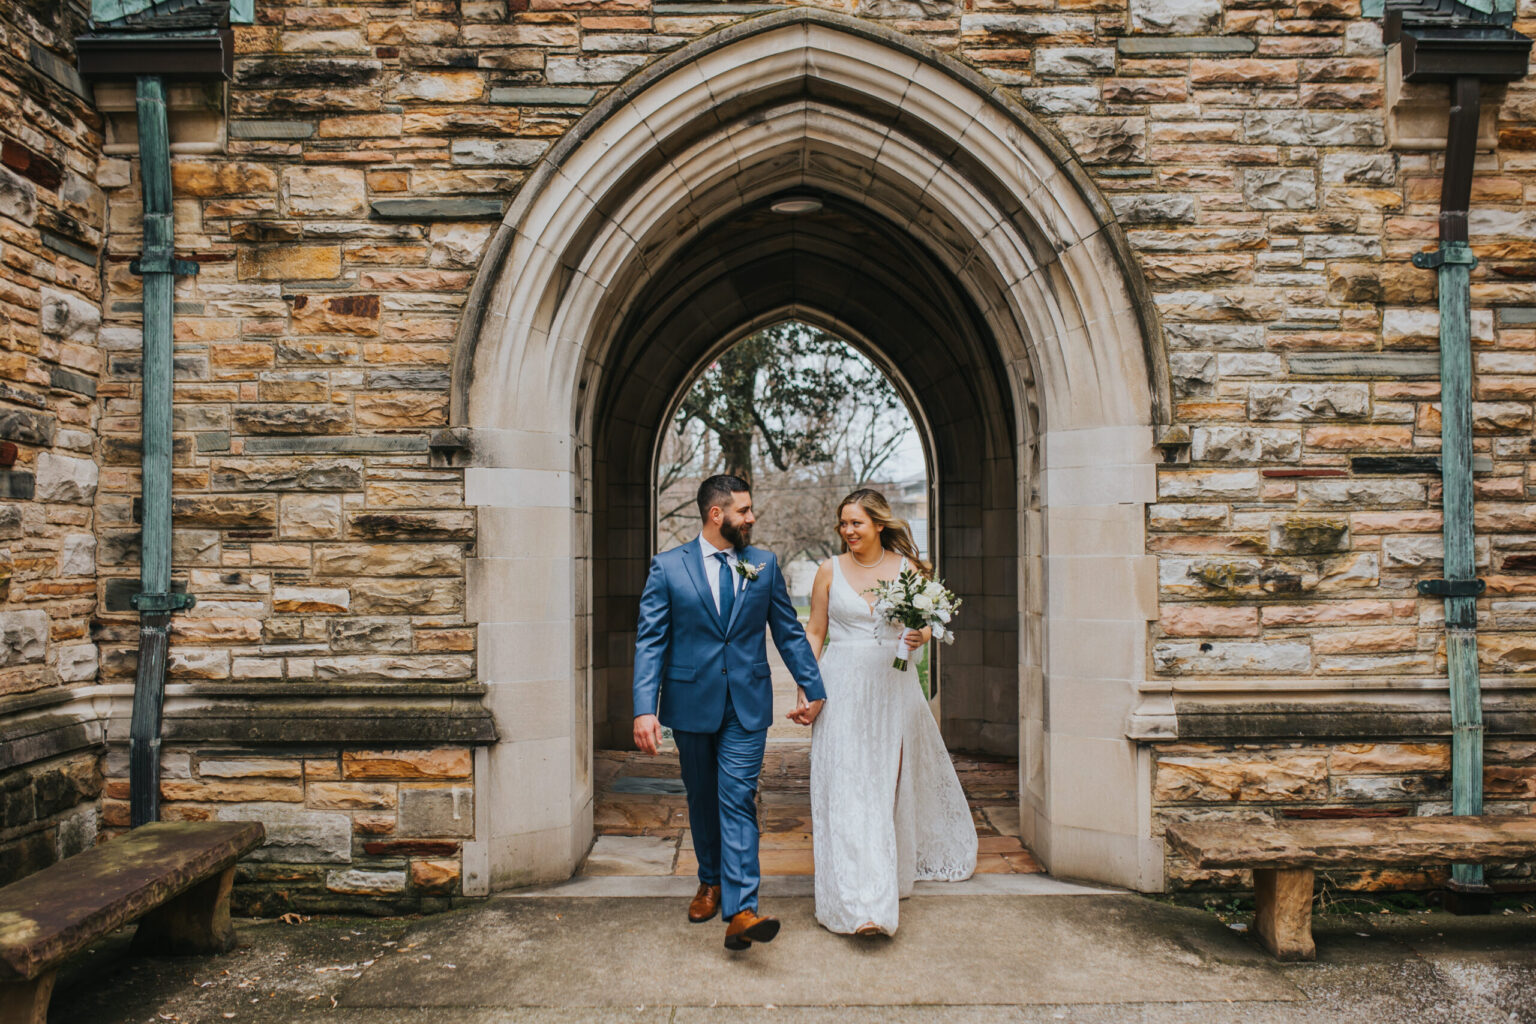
column 1009, row 948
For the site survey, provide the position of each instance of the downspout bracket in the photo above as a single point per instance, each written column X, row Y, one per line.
column 184, row 268
column 1449, row 252
column 173, row 602
column 1452, row 588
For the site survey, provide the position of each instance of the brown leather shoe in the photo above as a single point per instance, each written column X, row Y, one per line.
column 705, row 905
column 747, row 927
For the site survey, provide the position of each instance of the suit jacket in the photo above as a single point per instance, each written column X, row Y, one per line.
column 686, row 659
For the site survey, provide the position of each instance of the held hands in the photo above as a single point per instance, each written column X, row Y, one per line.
column 647, row 733
column 803, row 713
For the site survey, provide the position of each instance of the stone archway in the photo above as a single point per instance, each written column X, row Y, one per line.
column 958, row 236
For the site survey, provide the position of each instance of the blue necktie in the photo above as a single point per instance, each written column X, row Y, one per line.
column 727, row 588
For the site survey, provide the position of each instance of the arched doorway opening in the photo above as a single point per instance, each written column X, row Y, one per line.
column 806, row 416
column 953, row 229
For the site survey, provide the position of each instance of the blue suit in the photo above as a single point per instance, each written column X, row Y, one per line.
column 709, row 681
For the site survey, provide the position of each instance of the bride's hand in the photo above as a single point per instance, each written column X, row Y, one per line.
column 915, row 638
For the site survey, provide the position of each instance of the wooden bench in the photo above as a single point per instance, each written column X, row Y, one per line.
column 173, row 877
column 1284, row 855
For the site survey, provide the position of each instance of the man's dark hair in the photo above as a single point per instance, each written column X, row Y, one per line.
column 717, row 490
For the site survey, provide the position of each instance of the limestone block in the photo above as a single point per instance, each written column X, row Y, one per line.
column 336, row 314
column 369, row 635
column 1208, row 620
column 324, row 191
column 224, row 510
column 69, row 317
column 310, row 599
column 458, row 245
column 192, row 663
column 64, row 479
column 1177, row 516
column 389, row 560
column 10, row 522
column 364, row 882
column 288, row 263
column 407, row 597
column 284, row 418
column 26, row 427
column 1209, row 484
column 250, row 768
column 1391, row 757
column 23, row 637
column 1154, row 208
column 296, row 835
column 1280, row 188
column 271, row 473
column 77, row 555
column 436, row 877
column 75, row 663
column 114, row 173
column 1309, row 534
column 1283, row 912
column 1385, row 492
column 440, row 87
column 1297, row 402
column 407, row 764
column 1224, row 778
column 18, row 198
column 1360, row 168
column 1192, row 373
column 1245, row 444
column 1062, row 99
column 401, row 667
column 1233, row 656
column 1508, row 652
column 1214, row 336
column 1106, row 140
column 436, row 810
column 1395, row 282
column 1292, row 128
column 1250, row 305
column 1176, row 17
column 310, row 516
column 229, row 178
column 592, row 70
column 1071, row 61
column 349, row 796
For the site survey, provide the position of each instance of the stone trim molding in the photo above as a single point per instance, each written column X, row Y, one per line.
column 810, row 99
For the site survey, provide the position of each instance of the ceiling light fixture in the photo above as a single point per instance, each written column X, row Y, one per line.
column 796, row 204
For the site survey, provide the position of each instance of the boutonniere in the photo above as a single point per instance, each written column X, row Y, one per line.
column 749, row 571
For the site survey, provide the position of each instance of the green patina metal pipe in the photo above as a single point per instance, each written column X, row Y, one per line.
column 155, row 602
column 1453, row 262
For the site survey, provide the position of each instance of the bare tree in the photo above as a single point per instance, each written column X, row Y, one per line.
column 802, row 416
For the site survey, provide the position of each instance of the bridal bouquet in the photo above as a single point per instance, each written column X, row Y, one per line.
column 912, row 602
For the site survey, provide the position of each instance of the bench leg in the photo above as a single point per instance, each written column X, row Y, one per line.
column 26, row 1002
column 197, row 921
column 1284, row 919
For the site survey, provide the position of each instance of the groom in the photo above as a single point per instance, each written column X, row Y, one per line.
column 701, row 668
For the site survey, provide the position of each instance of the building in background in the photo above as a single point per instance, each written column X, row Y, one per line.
column 1141, row 269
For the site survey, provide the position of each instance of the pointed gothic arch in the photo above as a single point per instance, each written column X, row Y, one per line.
column 960, row 236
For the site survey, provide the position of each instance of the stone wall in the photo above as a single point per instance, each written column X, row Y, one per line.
column 52, row 222
column 370, row 152
column 371, row 831
column 1300, row 781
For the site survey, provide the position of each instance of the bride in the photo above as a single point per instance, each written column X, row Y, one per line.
column 886, row 807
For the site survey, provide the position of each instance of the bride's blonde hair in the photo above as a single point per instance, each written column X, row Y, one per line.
column 895, row 534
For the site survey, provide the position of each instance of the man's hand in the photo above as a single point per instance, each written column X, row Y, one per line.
column 803, row 713
column 647, row 733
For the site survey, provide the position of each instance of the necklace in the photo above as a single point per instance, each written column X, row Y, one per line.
column 871, row 565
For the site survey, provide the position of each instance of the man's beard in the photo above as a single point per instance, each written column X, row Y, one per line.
column 738, row 533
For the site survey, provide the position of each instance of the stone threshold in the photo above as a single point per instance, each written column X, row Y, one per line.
column 789, row 886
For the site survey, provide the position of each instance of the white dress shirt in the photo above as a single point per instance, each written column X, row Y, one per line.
column 712, row 569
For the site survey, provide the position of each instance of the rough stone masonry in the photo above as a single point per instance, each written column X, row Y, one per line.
column 338, row 203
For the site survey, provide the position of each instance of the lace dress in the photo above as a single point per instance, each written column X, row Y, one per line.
column 886, row 806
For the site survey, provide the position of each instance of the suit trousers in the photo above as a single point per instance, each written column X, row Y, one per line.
column 720, row 771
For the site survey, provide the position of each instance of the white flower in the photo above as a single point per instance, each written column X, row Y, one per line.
column 933, row 590
column 942, row 615
column 922, row 602
column 748, row 570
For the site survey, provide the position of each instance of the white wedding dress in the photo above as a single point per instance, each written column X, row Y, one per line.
column 886, row 806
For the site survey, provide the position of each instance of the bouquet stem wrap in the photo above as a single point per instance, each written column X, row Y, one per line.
column 901, row 652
